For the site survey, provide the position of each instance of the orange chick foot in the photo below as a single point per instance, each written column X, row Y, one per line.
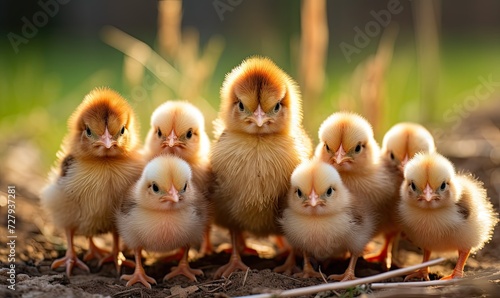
column 419, row 274
column 348, row 275
column 289, row 266
column 234, row 264
column 184, row 269
column 308, row 273
column 456, row 274
column 70, row 260
column 95, row 252
column 138, row 276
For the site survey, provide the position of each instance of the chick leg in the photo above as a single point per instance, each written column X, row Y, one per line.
column 139, row 273
column 94, row 252
column 308, row 271
column 289, row 266
column 349, row 272
column 385, row 254
column 70, row 259
column 458, row 272
column 235, row 260
column 424, row 272
column 115, row 255
column 207, row 247
column 176, row 256
column 184, row 269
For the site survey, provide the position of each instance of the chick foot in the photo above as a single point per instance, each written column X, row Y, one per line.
column 235, row 262
column 458, row 271
column 70, row 260
column 139, row 274
column 349, row 272
column 308, row 270
column 289, row 266
column 115, row 256
column 419, row 274
column 94, row 252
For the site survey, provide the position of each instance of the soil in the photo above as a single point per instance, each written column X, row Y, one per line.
column 38, row 243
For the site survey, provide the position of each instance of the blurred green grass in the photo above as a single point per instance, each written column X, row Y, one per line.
column 43, row 84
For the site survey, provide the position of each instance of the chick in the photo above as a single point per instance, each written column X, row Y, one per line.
column 98, row 161
column 178, row 127
column 259, row 143
column 164, row 211
column 347, row 143
column 401, row 143
column 441, row 210
column 323, row 218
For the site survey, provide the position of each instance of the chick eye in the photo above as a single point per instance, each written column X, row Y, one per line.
column 413, row 186
column 189, row 134
column 184, row 188
column 299, row 193
column 443, row 186
column 155, row 187
column 358, row 148
column 277, row 107
column 159, row 132
column 329, row 192
column 122, row 131
column 241, row 106
column 392, row 155
column 327, row 148
column 88, row 131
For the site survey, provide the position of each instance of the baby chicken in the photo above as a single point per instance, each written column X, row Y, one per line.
column 178, row 127
column 258, row 145
column 347, row 143
column 441, row 210
column 164, row 211
column 97, row 163
column 401, row 143
column 323, row 219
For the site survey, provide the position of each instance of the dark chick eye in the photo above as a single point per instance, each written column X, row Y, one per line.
column 443, row 186
column 413, row 186
column 159, row 132
column 155, row 188
column 358, row 148
column 88, row 131
column 392, row 155
column 329, row 192
column 189, row 134
column 185, row 187
column 241, row 106
column 277, row 107
column 327, row 148
column 122, row 131
column 299, row 193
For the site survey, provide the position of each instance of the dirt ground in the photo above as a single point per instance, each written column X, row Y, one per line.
column 38, row 242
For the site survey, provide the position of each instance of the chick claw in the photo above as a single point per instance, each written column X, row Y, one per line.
column 348, row 275
column 234, row 264
column 69, row 260
column 138, row 276
column 184, row 269
column 420, row 274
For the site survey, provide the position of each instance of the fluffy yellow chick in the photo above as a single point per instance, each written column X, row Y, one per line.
column 98, row 162
column 164, row 211
column 260, row 142
column 401, row 142
column 347, row 143
column 441, row 210
column 178, row 127
column 323, row 218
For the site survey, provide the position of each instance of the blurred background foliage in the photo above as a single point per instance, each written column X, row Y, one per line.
column 426, row 62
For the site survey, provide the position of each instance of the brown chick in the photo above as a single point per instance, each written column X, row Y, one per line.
column 400, row 143
column 323, row 218
column 98, row 162
column 178, row 127
column 441, row 210
column 164, row 211
column 347, row 143
column 260, row 142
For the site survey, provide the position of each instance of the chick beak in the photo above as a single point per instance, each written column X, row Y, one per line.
column 172, row 137
column 428, row 193
column 107, row 139
column 173, row 196
column 313, row 199
column 339, row 155
column 403, row 162
column 259, row 116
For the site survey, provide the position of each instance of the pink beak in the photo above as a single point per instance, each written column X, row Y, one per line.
column 313, row 199
column 428, row 193
column 339, row 155
column 107, row 139
column 404, row 161
column 259, row 116
column 173, row 196
column 172, row 137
